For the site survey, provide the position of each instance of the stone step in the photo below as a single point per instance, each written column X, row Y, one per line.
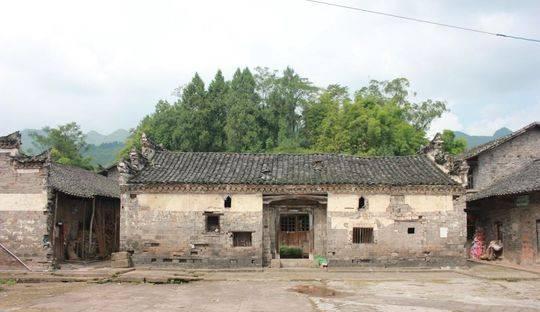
column 297, row 263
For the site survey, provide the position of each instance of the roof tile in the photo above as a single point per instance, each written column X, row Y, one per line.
column 290, row 169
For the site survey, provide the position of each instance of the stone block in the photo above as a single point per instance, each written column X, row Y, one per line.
column 122, row 255
column 123, row 263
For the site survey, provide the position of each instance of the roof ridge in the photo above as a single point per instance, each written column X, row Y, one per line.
column 476, row 150
column 292, row 154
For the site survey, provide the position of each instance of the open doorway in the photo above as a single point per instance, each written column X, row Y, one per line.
column 295, row 236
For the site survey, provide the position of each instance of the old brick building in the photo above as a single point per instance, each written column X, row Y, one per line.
column 239, row 209
column 503, row 193
column 50, row 212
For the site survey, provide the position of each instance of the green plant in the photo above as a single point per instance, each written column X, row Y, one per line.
column 290, row 252
column 320, row 260
column 8, row 282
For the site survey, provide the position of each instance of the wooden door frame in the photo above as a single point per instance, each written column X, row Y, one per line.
column 304, row 210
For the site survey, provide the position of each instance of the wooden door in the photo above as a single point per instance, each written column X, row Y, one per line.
column 295, row 231
column 538, row 239
column 59, row 249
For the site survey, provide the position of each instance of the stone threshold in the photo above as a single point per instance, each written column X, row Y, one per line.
column 530, row 269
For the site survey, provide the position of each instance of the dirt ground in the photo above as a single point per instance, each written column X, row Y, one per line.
column 284, row 291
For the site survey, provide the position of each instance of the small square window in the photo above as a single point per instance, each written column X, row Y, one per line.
column 410, row 230
column 362, row 235
column 212, row 223
column 241, row 239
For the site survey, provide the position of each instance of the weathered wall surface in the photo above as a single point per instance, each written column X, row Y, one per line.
column 171, row 228
column 23, row 216
column 506, row 158
column 439, row 230
column 518, row 224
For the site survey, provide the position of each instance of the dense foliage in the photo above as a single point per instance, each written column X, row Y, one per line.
column 275, row 111
column 451, row 144
column 66, row 144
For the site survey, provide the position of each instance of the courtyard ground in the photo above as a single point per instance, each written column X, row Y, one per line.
column 482, row 288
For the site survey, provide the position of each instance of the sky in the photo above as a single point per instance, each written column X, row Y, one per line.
column 105, row 64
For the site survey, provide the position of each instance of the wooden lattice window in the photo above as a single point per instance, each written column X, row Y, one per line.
column 362, row 235
column 294, row 223
column 241, row 239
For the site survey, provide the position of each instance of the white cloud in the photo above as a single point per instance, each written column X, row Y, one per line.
column 448, row 120
column 105, row 64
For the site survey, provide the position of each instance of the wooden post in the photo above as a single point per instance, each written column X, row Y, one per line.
column 91, row 223
column 54, row 230
column 83, row 252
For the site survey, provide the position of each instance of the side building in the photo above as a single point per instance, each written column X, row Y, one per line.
column 51, row 213
column 503, row 188
column 241, row 209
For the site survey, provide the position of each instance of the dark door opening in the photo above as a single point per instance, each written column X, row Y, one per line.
column 538, row 238
column 498, row 231
column 294, row 236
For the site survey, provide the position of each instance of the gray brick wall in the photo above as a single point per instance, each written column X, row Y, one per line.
column 22, row 232
column 180, row 238
column 393, row 245
column 519, row 231
column 506, row 158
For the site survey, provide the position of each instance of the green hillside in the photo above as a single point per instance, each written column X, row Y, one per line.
column 102, row 148
column 474, row 140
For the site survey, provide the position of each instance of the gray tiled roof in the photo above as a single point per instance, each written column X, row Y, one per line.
column 494, row 143
column 289, row 169
column 12, row 140
column 82, row 183
column 524, row 180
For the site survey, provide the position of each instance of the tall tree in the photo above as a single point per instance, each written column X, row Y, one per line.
column 193, row 116
column 287, row 97
column 217, row 102
column 242, row 126
column 66, row 144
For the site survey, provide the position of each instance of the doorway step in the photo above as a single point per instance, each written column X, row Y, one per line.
column 297, row 263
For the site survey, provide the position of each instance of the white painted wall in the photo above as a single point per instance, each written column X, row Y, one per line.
column 23, row 202
column 200, row 202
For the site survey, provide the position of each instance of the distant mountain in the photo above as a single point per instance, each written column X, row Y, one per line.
column 474, row 140
column 102, row 148
column 96, row 138
column 104, row 154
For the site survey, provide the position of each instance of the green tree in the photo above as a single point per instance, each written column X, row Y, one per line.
column 193, row 117
column 218, row 109
column 66, row 144
column 451, row 144
column 420, row 115
column 243, row 120
column 288, row 96
column 380, row 121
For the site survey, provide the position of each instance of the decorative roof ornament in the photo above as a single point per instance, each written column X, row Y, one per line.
column 458, row 170
column 11, row 142
column 266, row 171
column 149, row 147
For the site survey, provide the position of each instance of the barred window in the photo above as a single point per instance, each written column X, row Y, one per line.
column 241, row 239
column 362, row 235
